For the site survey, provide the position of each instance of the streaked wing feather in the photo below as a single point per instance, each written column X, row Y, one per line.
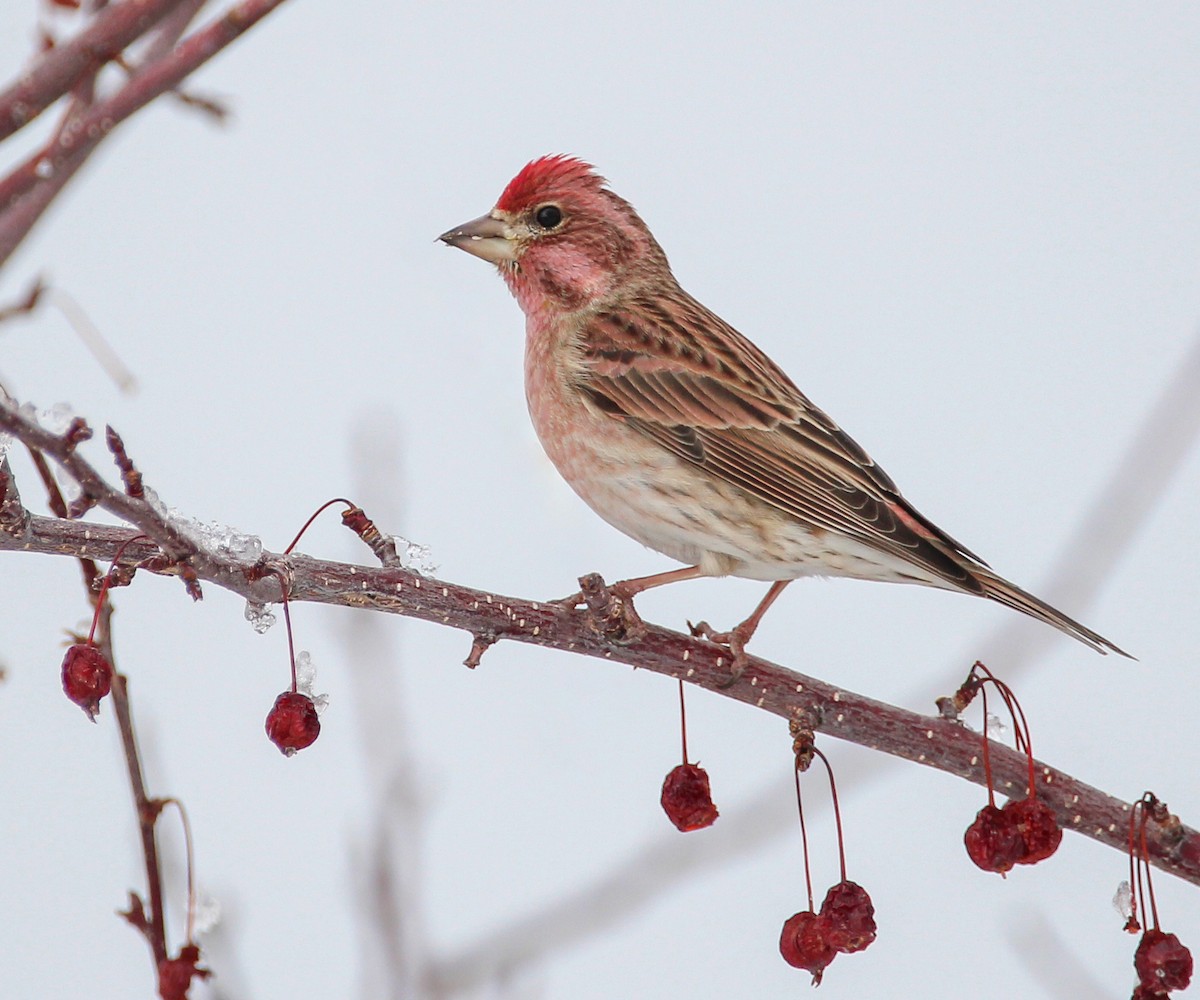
column 723, row 405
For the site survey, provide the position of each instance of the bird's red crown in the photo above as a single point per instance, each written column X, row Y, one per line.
column 549, row 173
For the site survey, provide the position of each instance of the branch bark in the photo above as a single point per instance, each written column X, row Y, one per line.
column 30, row 187
column 931, row 741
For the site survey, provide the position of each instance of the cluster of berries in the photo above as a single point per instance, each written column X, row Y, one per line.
column 845, row 923
column 1163, row 963
column 1025, row 831
column 811, row 939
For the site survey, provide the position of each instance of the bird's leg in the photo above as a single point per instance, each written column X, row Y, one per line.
column 737, row 637
column 626, row 589
column 611, row 608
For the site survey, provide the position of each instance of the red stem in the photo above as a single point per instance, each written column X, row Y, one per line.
column 987, row 756
column 104, row 584
column 287, row 624
column 1145, row 855
column 804, row 841
column 1135, row 868
column 683, row 722
column 837, row 811
column 317, row 513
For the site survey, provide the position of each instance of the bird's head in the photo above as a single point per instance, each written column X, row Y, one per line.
column 560, row 238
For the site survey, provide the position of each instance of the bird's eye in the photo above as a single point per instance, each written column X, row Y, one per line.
column 548, row 216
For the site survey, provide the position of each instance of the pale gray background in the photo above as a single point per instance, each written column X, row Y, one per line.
column 971, row 235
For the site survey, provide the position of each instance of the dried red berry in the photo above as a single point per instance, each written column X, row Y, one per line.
column 292, row 723
column 1162, row 962
column 804, row 943
column 86, row 677
column 993, row 841
column 687, row 799
column 851, row 917
column 1038, row 827
column 1141, row 992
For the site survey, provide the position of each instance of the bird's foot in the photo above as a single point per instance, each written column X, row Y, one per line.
column 734, row 640
column 610, row 609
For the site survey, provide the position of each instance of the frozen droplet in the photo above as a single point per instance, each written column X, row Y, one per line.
column 306, row 677
column 259, row 616
column 997, row 729
column 414, row 556
column 1123, row 900
column 206, row 915
column 57, row 418
column 44, row 169
column 219, row 540
column 6, row 441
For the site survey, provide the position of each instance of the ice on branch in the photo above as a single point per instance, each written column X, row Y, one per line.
column 218, row 540
column 56, row 419
column 306, row 677
column 259, row 616
column 414, row 556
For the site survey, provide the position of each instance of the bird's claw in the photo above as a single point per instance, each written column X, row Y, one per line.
column 734, row 640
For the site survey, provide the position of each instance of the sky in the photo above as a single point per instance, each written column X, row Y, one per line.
column 969, row 233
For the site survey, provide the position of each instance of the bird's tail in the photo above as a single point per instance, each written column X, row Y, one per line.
column 999, row 589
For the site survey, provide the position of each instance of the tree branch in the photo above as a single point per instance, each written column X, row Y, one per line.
column 30, row 187
column 59, row 69
column 932, row 741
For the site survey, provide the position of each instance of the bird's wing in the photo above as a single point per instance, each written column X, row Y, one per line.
column 683, row 377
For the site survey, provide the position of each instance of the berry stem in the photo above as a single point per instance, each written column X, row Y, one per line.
column 287, row 620
column 804, row 840
column 1136, row 895
column 1023, row 739
column 104, row 585
column 1144, row 860
column 987, row 757
column 307, row 524
column 683, row 723
column 837, row 811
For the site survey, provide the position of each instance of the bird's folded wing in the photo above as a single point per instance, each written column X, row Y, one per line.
column 724, row 406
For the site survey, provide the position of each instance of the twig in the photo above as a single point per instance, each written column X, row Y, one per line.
column 26, row 192
column 146, row 810
column 59, row 69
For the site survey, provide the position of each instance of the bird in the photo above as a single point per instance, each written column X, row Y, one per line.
column 680, row 432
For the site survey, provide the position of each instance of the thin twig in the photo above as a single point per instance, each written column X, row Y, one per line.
column 33, row 185
column 58, row 70
column 146, row 810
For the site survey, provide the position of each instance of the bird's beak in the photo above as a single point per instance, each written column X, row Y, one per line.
column 485, row 237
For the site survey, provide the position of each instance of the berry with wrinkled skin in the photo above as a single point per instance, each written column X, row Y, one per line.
column 850, row 917
column 680, row 432
column 687, row 798
column 804, row 944
column 1038, row 827
column 86, row 677
column 292, row 723
column 993, row 841
column 1162, row 961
